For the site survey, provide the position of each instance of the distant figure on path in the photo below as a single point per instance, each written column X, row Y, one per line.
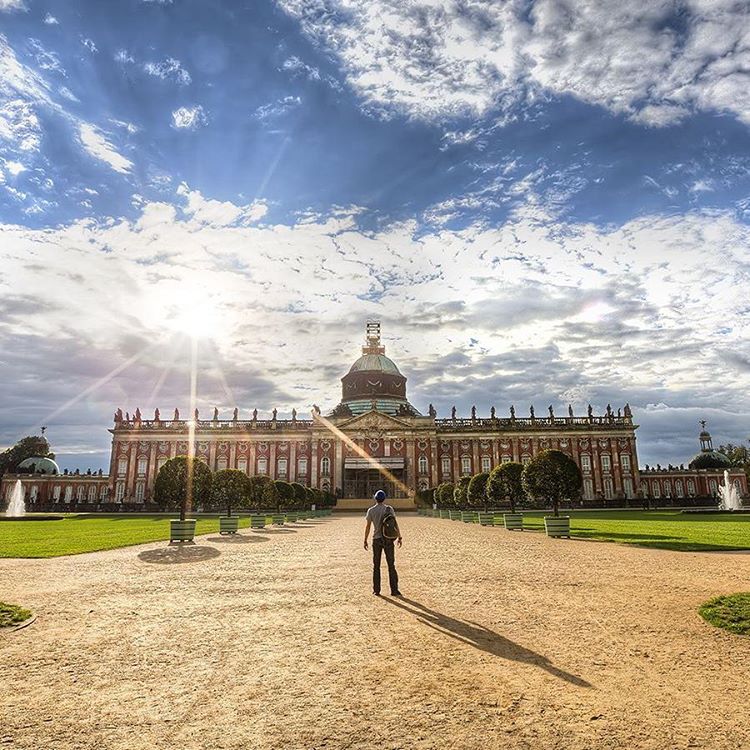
column 382, row 518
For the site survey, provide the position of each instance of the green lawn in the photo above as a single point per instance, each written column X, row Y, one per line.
column 12, row 614
column 89, row 533
column 659, row 528
column 729, row 612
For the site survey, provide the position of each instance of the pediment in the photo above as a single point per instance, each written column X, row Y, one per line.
column 374, row 421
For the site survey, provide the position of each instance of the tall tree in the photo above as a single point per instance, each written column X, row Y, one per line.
column 284, row 493
column 739, row 455
column 262, row 492
column 230, row 487
column 444, row 494
column 171, row 486
column 476, row 492
column 27, row 447
column 459, row 492
column 552, row 476
column 505, row 485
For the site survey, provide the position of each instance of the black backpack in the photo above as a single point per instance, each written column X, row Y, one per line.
column 389, row 527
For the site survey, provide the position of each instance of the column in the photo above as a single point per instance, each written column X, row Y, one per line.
column 292, row 461
column 272, row 460
column 411, row 469
column 313, row 468
column 434, row 468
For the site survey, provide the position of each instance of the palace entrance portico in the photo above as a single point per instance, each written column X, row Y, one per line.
column 362, row 480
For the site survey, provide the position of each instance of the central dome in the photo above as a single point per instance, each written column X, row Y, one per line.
column 375, row 363
column 374, row 382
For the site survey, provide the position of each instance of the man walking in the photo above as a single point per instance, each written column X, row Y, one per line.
column 380, row 542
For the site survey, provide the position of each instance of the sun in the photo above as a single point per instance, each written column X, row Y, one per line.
column 185, row 307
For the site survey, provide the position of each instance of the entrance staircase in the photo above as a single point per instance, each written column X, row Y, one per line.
column 361, row 504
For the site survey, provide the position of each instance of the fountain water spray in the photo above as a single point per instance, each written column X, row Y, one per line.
column 730, row 496
column 16, row 506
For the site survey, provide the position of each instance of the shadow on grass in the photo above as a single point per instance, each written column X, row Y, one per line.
column 483, row 639
column 237, row 539
column 178, row 554
column 604, row 535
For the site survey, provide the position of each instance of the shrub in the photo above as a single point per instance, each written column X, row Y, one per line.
column 460, row 491
column 170, row 488
column 262, row 492
column 230, row 487
column 476, row 493
column 284, row 492
column 552, row 476
column 444, row 494
column 424, row 498
column 505, row 485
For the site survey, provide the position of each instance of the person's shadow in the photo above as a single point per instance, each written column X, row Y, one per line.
column 473, row 634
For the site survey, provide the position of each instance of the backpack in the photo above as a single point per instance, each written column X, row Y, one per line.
column 389, row 527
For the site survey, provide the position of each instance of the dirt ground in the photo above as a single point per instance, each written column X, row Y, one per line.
column 273, row 640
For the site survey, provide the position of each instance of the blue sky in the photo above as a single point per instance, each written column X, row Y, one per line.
column 544, row 202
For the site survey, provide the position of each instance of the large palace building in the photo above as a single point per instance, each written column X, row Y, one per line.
column 374, row 420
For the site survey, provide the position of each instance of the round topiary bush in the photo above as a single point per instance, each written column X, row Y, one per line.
column 731, row 612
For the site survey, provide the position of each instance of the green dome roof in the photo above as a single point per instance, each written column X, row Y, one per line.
column 38, row 465
column 374, row 363
column 710, row 460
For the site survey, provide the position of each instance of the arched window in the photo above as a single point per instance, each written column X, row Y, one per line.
column 445, row 465
column 140, row 491
column 160, row 462
column 242, row 465
column 282, row 468
column 79, row 493
column 655, row 489
column 525, row 458
column 302, row 467
column 486, row 464
column 92, row 493
column 120, row 492
column 713, row 487
column 627, row 486
column 679, row 490
column 325, row 467
column 222, row 463
column 262, row 465
column 68, row 494
column 34, row 493
column 667, row 489
column 122, row 467
column 625, row 461
column 506, row 458
column 103, row 492
column 691, row 488
column 142, row 463
column 588, row 489
column 422, row 463
column 608, row 492
column 465, row 465
column 56, row 493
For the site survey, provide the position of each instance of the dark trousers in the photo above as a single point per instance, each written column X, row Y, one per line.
column 378, row 547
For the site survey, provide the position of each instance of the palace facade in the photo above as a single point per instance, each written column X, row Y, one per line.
column 373, row 420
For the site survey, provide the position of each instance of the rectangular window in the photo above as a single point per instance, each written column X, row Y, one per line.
column 242, row 465
column 34, row 493
column 422, row 465
column 302, row 467
column 140, row 491
column 445, row 464
column 627, row 485
column 103, row 492
column 325, row 466
column 68, row 494
column 465, row 465
column 222, row 464
column 625, row 461
column 606, row 463
column 262, row 466
column 655, row 490
column 585, row 463
column 92, row 493
column 486, row 464
column 56, row 492
column 142, row 463
column 282, row 466
column 691, row 488
column 122, row 467
column 588, row 489
column 120, row 492
column 679, row 489
column 79, row 493
column 507, row 459
column 525, row 458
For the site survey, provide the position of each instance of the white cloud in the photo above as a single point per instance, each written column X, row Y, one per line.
column 8, row 5
column 14, row 167
column 89, row 44
column 169, row 68
column 50, row 20
column 189, row 118
column 276, row 108
column 530, row 311
column 100, row 148
column 644, row 58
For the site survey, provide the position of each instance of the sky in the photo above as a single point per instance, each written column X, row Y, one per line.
column 543, row 202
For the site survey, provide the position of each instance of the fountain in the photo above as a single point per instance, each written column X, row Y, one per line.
column 730, row 496
column 16, row 506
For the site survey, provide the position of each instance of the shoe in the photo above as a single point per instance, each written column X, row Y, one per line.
column 376, row 593
column 396, row 593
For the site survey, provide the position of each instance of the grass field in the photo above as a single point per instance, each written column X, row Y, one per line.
column 688, row 532
column 729, row 612
column 89, row 533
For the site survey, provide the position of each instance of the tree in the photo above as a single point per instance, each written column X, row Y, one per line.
column 424, row 498
column 739, row 455
column 444, row 494
column 552, row 476
column 505, row 485
column 284, row 493
column 460, row 491
column 262, row 492
column 27, row 447
column 171, row 486
column 476, row 492
column 230, row 487
column 300, row 495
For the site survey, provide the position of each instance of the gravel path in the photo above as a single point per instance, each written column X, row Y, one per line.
column 504, row 640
